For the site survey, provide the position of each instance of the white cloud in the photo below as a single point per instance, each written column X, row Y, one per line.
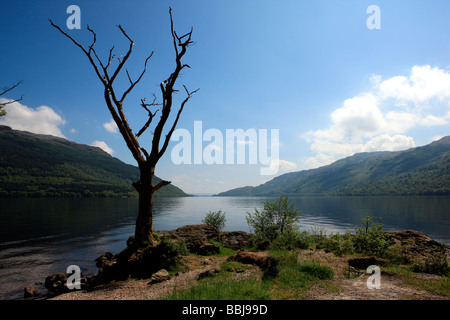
column 111, row 126
column 424, row 83
column 386, row 142
column 359, row 116
column 379, row 120
column 102, row 145
column 42, row 120
column 275, row 166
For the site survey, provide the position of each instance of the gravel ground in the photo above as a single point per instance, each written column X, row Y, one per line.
column 141, row 290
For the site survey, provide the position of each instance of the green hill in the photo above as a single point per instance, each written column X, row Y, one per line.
column 417, row 171
column 37, row 165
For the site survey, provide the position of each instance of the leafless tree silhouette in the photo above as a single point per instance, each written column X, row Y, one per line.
column 146, row 160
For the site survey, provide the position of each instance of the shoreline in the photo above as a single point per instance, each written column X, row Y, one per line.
column 398, row 286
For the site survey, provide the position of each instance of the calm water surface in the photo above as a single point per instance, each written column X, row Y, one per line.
column 43, row 236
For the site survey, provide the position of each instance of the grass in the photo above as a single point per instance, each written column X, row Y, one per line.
column 224, row 286
column 439, row 286
column 292, row 281
column 223, row 252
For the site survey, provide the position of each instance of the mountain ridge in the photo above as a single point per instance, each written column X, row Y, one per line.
column 37, row 165
column 421, row 170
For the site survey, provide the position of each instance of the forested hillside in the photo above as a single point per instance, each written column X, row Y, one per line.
column 35, row 165
column 417, row 171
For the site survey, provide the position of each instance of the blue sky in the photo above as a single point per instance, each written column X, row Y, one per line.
column 311, row 69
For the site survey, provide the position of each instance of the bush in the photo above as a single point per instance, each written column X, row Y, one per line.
column 435, row 264
column 340, row 243
column 215, row 218
column 369, row 239
column 167, row 253
column 291, row 239
column 276, row 218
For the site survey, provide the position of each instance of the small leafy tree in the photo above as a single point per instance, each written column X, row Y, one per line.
column 215, row 218
column 276, row 218
column 369, row 238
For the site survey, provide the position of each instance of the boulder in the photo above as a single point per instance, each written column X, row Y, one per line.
column 419, row 250
column 365, row 262
column 417, row 243
column 207, row 249
column 194, row 236
column 208, row 273
column 30, row 292
column 259, row 258
column 236, row 240
column 104, row 259
column 56, row 282
column 159, row 276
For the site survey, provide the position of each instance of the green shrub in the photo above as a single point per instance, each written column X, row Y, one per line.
column 318, row 237
column 369, row 240
column 215, row 218
column 276, row 218
column 340, row 243
column 291, row 239
column 168, row 252
column 434, row 263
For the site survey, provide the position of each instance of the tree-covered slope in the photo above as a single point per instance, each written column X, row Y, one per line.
column 417, row 171
column 46, row 166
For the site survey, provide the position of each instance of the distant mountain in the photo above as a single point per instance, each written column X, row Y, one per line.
column 417, row 171
column 38, row 165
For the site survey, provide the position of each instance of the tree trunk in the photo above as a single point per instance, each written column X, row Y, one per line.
column 144, row 222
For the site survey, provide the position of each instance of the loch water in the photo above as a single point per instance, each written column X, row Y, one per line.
column 39, row 237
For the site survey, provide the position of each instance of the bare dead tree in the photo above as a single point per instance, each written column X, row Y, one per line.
column 5, row 91
column 146, row 160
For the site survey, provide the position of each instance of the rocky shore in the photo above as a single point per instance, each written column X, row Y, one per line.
column 141, row 274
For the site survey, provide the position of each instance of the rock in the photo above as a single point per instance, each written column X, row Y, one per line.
column 207, row 249
column 30, row 292
column 208, row 273
column 56, row 282
column 263, row 245
column 194, row 236
column 160, row 276
column 419, row 250
column 104, row 259
column 365, row 262
column 259, row 258
column 415, row 244
column 236, row 240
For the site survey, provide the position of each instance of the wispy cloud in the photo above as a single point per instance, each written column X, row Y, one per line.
column 111, row 126
column 102, row 145
column 381, row 118
column 41, row 120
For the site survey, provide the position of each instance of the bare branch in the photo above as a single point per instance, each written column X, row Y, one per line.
column 6, row 90
column 147, row 124
column 102, row 79
column 111, row 56
column 160, row 185
column 137, row 81
column 122, row 62
column 169, row 135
